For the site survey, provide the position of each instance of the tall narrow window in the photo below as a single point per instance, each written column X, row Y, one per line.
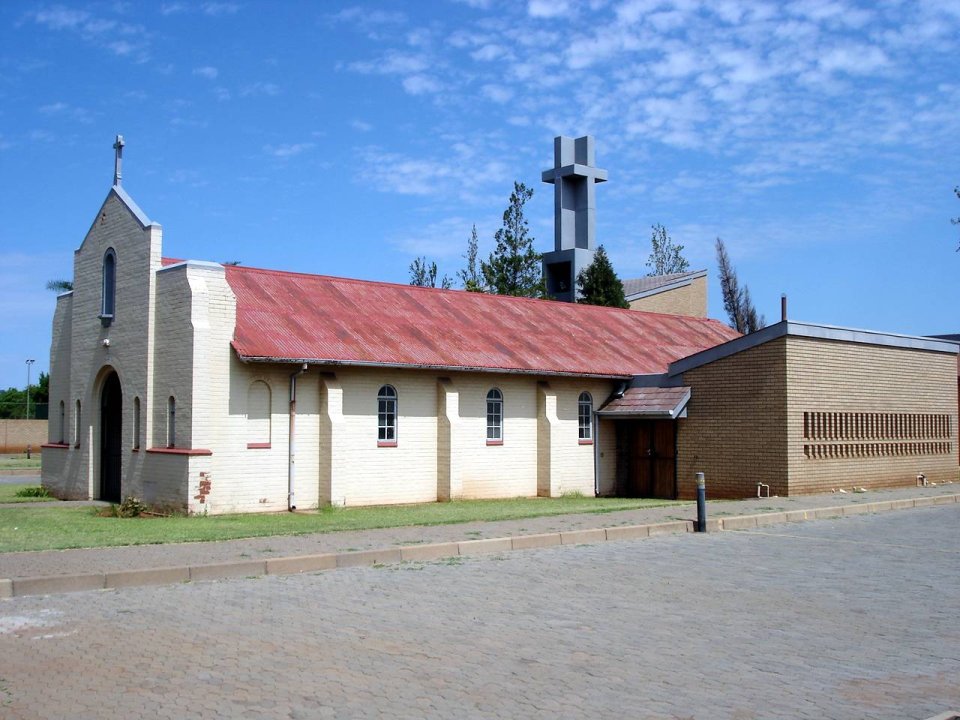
column 77, row 430
column 171, row 422
column 387, row 416
column 494, row 416
column 109, row 289
column 136, row 423
column 258, row 415
column 585, row 416
column 62, row 427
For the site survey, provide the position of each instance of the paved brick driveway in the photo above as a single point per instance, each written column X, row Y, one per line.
column 852, row 618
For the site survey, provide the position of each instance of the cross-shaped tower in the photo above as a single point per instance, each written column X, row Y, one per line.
column 573, row 176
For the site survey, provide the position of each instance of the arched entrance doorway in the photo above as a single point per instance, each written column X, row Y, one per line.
column 111, row 425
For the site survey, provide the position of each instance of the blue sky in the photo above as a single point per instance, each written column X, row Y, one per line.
column 819, row 139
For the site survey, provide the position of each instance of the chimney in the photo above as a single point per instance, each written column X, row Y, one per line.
column 783, row 307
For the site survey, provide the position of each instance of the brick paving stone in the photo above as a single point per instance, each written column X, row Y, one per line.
column 846, row 618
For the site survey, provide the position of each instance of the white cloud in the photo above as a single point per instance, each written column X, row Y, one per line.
column 260, row 89
column 121, row 38
column 489, row 52
column 497, row 93
column 421, row 84
column 393, row 63
column 288, row 151
column 207, row 71
column 444, row 239
column 549, row 8
column 392, row 172
column 361, row 126
column 856, row 60
column 61, row 18
column 63, row 109
column 215, row 9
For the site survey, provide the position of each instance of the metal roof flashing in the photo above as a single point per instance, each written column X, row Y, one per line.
column 333, row 363
column 649, row 403
column 676, row 284
column 134, row 209
column 793, row 328
column 198, row 264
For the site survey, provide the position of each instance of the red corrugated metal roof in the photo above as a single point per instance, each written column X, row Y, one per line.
column 287, row 316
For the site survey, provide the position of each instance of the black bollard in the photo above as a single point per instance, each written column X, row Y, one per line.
column 701, row 503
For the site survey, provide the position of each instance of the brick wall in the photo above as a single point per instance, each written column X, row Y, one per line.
column 875, row 416
column 734, row 431
column 15, row 435
column 687, row 300
column 80, row 360
column 807, row 415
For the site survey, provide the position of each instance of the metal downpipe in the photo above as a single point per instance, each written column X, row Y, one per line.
column 292, row 467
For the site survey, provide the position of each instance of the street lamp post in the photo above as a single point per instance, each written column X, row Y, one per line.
column 29, row 363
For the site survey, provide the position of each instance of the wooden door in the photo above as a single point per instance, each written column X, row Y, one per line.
column 653, row 459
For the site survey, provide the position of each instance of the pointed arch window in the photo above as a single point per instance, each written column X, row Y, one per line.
column 62, row 429
column 585, row 417
column 77, row 427
column 108, row 293
column 494, row 417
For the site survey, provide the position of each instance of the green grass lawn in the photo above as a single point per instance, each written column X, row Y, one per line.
column 19, row 461
column 54, row 528
column 8, row 494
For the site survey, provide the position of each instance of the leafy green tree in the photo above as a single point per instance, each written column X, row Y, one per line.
column 741, row 312
column 424, row 274
column 666, row 257
column 599, row 285
column 60, row 286
column 470, row 276
column 41, row 391
column 514, row 267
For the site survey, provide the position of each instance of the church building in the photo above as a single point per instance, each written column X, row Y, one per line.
column 212, row 388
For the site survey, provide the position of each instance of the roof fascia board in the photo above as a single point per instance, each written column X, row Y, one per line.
column 661, row 380
column 809, row 330
column 871, row 337
column 412, row 366
column 201, row 264
column 673, row 285
column 139, row 214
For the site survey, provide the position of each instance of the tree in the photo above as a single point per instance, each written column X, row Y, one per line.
column 514, row 267
column 60, row 286
column 736, row 300
column 424, row 274
column 599, row 285
column 471, row 278
column 666, row 258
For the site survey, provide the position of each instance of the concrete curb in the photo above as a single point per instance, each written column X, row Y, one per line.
column 55, row 584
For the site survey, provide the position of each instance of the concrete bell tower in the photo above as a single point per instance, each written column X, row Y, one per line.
column 573, row 176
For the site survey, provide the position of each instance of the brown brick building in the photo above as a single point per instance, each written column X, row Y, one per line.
column 800, row 408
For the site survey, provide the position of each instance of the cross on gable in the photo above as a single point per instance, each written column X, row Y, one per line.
column 117, row 159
